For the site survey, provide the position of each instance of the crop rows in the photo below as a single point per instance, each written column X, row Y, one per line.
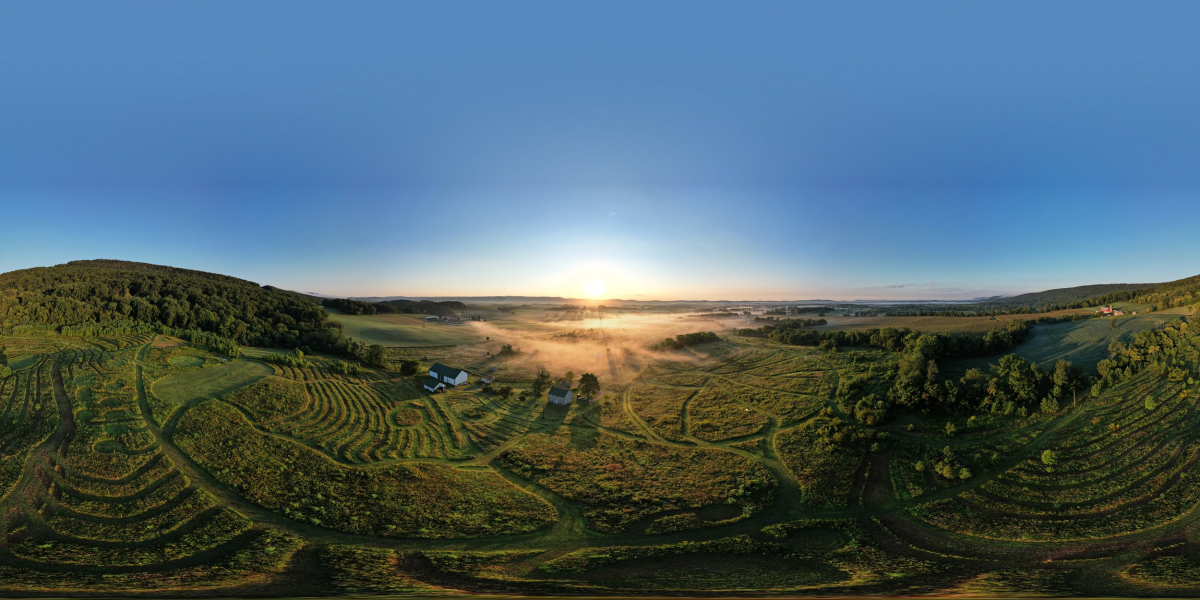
column 109, row 501
column 358, row 423
column 28, row 417
column 494, row 421
column 1121, row 467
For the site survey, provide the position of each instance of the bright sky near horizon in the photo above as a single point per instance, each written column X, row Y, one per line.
column 666, row 150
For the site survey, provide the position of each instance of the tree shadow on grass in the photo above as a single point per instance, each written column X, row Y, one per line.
column 584, row 434
column 551, row 418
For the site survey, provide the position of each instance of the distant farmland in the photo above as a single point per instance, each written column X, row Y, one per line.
column 403, row 330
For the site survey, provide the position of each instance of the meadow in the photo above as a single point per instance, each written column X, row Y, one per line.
column 1084, row 343
column 143, row 463
column 402, row 330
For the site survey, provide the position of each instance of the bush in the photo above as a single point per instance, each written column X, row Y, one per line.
column 375, row 356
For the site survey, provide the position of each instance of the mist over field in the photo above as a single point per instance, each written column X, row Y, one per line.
column 618, row 346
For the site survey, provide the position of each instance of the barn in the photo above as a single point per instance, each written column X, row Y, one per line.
column 448, row 375
column 432, row 385
column 561, row 395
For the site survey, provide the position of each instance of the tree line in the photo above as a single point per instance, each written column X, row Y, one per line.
column 684, row 340
column 442, row 308
column 896, row 339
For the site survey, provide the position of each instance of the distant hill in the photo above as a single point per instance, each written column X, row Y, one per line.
column 1062, row 297
column 1161, row 296
column 1172, row 294
column 107, row 291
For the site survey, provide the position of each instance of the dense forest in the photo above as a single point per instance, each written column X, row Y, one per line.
column 193, row 304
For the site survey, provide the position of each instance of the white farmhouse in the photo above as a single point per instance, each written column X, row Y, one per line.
column 448, row 375
column 561, row 395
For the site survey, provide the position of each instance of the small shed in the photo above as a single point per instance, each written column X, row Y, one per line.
column 448, row 375
column 561, row 395
column 487, row 379
column 433, row 386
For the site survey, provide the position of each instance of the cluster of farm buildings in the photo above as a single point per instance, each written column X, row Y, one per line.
column 441, row 376
column 1116, row 312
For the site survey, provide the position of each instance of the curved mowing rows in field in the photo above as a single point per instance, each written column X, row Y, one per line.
column 362, row 423
column 102, row 500
column 493, row 420
column 1121, row 467
column 28, row 416
column 317, row 372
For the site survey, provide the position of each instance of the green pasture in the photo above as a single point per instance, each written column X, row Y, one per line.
column 403, row 330
column 186, row 361
column 1084, row 343
column 209, row 382
column 934, row 324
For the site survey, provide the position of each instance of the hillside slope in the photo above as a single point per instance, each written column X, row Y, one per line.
column 1067, row 297
column 105, row 291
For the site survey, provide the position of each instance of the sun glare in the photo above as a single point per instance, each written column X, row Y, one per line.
column 594, row 288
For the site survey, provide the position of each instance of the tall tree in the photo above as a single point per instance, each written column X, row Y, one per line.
column 541, row 380
column 589, row 385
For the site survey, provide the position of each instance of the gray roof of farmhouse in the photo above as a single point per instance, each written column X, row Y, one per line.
column 559, row 392
column 443, row 371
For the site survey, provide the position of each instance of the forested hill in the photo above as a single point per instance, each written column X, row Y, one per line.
column 1066, row 297
column 108, row 291
column 1160, row 296
column 1173, row 294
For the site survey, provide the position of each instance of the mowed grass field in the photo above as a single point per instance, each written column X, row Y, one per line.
column 209, row 382
column 1084, row 343
column 403, row 330
column 936, row 324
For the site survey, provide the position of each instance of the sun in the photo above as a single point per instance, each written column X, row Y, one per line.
column 594, row 288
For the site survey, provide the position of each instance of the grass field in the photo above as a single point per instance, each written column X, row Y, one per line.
column 403, row 330
column 938, row 324
column 1084, row 343
column 209, row 382
column 130, row 465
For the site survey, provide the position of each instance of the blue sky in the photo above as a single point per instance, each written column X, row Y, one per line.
column 670, row 149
